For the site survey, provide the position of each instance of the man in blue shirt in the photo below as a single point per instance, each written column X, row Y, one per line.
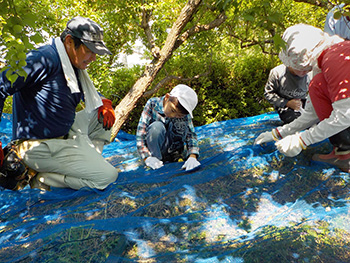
column 63, row 146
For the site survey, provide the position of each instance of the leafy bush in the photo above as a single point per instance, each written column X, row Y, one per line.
column 236, row 90
column 233, row 89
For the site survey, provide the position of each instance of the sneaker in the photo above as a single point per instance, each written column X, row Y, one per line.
column 340, row 159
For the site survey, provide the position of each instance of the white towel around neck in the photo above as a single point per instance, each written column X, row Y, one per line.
column 92, row 98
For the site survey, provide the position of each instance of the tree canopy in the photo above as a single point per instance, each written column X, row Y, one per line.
column 214, row 41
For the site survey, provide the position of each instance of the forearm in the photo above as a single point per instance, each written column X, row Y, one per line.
column 193, row 152
column 141, row 144
column 338, row 121
column 306, row 120
column 272, row 97
column 142, row 149
column 192, row 144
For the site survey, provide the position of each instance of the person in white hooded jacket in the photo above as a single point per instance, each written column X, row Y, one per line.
column 327, row 110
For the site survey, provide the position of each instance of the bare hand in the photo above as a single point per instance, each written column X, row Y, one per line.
column 294, row 104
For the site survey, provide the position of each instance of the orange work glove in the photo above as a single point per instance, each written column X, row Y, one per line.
column 106, row 114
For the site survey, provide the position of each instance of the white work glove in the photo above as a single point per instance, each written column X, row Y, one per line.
column 268, row 137
column 190, row 164
column 291, row 146
column 153, row 162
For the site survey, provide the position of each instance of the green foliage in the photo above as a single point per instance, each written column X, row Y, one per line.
column 116, row 84
column 234, row 60
column 8, row 106
column 298, row 243
column 232, row 89
column 262, row 22
column 17, row 36
column 344, row 11
column 238, row 90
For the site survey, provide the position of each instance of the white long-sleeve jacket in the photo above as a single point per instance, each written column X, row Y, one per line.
column 338, row 121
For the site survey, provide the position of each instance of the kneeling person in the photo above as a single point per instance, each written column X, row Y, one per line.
column 165, row 132
column 286, row 89
column 62, row 146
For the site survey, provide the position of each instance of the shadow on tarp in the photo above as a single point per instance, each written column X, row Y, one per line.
column 246, row 203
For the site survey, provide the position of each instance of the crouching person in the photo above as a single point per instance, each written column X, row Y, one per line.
column 165, row 132
column 59, row 147
column 327, row 111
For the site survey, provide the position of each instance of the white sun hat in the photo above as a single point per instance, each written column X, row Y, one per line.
column 186, row 96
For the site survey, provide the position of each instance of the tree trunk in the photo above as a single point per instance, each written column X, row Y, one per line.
column 128, row 103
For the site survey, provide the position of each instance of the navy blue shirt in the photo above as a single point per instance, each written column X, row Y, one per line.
column 43, row 105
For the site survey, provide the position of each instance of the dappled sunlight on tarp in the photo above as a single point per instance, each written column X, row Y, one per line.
column 246, row 203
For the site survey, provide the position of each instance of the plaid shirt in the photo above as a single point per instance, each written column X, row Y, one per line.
column 154, row 111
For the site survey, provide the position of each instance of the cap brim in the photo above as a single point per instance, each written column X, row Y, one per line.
column 97, row 47
column 183, row 104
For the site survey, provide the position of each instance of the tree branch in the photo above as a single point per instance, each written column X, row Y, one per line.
column 220, row 19
column 126, row 105
column 171, row 77
column 319, row 3
column 146, row 16
column 245, row 43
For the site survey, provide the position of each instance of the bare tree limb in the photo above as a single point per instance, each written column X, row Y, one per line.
column 260, row 44
column 146, row 16
column 168, row 78
column 130, row 100
column 220, row 19
column 245, row 43
column 160, row 84
column 251, row 43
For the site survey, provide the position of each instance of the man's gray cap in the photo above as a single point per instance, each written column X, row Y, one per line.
column 89, row 32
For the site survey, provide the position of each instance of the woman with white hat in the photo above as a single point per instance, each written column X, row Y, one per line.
column 328, row 105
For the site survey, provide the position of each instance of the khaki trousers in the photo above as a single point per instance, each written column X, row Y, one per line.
column 74, row 162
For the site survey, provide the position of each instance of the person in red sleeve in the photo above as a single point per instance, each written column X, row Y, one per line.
column 61, row 145
column 327, row 111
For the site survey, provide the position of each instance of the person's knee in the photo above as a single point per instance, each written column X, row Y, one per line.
column 109, row 176
column 289, row 116
column 156, row 129
column 341, row 140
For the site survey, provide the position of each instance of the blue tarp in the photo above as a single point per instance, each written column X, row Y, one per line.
column 246, row 203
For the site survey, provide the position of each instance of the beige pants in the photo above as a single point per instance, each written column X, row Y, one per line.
column 74, row 162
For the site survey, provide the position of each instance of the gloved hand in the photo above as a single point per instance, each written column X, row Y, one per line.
column 1, row 155
column 106, row 114
column 153, row 162
column 291, row 146
column 190, row 164
column 268, row 137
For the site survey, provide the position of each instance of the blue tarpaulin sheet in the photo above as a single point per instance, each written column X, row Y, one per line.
column 246, row 203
